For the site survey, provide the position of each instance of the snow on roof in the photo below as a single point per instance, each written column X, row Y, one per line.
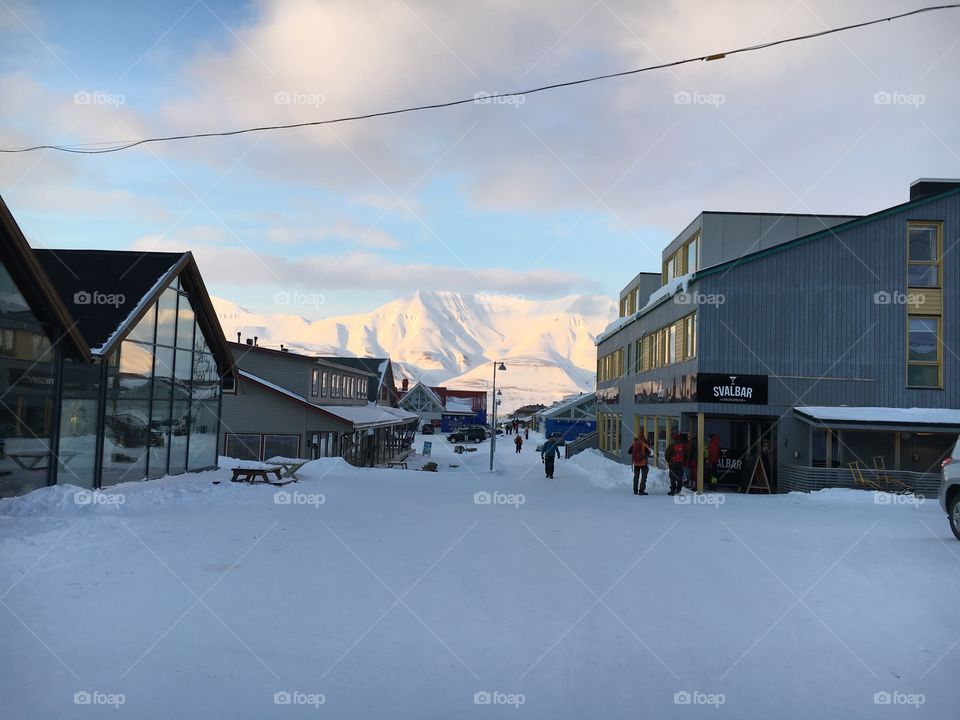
column 370, row 415
column 459, row 405
column 885, row 415
column 567, row 404
column 679, row 283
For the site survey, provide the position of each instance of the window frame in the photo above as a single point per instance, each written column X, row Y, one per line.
column 925, row 363
column 937, row 262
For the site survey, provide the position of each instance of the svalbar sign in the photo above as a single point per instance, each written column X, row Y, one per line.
column 747, row 389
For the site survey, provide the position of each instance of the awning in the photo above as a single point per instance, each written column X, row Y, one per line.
column 905, row 419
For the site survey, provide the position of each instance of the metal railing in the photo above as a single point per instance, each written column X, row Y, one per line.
column 572, row 447
column 805, row 479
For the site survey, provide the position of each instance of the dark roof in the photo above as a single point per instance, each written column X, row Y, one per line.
column 129, row 277
column 36, row 288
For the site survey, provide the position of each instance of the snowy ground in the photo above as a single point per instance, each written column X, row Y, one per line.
column 390, row 593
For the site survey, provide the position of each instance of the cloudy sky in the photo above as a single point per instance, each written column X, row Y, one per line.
column 570, row 191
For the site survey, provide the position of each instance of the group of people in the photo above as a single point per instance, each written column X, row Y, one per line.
column 681, row 461
column 513, row 427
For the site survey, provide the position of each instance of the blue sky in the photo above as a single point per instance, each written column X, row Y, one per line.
column 569, row 192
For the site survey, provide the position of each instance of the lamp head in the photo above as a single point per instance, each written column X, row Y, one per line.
column 502, row 367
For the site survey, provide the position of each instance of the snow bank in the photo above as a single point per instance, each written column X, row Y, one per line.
column 606, row 473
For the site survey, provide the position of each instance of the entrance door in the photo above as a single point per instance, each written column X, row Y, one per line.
column 763, row 441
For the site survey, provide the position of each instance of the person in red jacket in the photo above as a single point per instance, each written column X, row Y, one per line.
column 713, row 457
column 639, row 452
column 676, row 456
column 518, row 441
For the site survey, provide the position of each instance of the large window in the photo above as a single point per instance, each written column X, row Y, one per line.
column 314, row 382
column 685, row 260
column 287, row 446
column 242, row 447
column 672, row 344
column 924, row 353
column 163, row 396
column 925, row 249
column 323, row 383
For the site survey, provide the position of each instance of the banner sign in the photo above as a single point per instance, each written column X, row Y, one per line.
column 747, row 389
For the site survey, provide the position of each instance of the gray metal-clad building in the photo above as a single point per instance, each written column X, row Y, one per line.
column 763, row 323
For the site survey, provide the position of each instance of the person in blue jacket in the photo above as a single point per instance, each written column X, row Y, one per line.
column 549, row 453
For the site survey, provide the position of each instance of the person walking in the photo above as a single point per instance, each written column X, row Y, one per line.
column 639, row 452
column 526, row 433
column 676, row 455
column 518, row 441
column 713, row 457
column 549, row 454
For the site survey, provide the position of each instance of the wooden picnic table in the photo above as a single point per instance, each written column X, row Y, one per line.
column 397, row 464
column 258, row 474
column 290, row 466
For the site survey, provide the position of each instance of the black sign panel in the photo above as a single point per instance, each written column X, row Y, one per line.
column 746, row 389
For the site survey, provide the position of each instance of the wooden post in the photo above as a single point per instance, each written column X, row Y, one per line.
column 829, row 448
column 699, row 450
column 896, row 450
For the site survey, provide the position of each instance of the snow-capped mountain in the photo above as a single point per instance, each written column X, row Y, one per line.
column 451, row 338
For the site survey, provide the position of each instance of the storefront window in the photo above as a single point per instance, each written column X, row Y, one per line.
column 27, row 386
column 77, row 454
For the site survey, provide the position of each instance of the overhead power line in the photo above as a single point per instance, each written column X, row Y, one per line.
column 89, row 149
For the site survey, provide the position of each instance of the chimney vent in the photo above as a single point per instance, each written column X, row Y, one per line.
column 926, row 187
column 255, row 338
column 405, row 384
column 238, row 338
column 249, row 342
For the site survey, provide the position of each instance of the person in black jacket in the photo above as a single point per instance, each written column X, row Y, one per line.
column 549, row 454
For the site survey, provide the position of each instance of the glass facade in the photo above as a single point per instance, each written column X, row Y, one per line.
column 27, row 394
column 163, row 397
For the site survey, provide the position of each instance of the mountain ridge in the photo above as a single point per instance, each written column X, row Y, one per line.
column 451, row 338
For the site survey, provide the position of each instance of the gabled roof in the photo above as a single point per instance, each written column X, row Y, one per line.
column 36, row 288
column 426, row 390
column 134, row 279
column 568, row 404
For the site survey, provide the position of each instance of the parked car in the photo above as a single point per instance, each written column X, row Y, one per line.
column 473, row 433
column 950, row 489
column 427, row 429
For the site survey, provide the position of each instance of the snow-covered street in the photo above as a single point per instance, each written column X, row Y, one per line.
column 392, row 593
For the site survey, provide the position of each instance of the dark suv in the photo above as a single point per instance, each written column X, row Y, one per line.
column 473, row 433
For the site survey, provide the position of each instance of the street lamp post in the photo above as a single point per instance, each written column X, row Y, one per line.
column 493, row 425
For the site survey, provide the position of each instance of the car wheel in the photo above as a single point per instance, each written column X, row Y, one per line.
column 953, row 512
